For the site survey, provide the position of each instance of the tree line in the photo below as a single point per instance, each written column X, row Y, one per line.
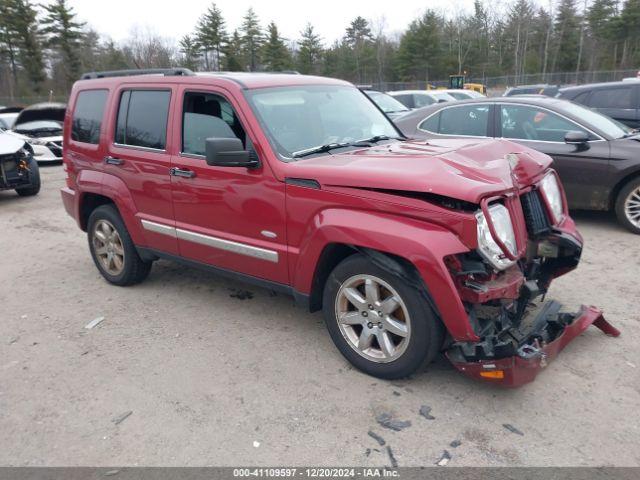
column 46, row 48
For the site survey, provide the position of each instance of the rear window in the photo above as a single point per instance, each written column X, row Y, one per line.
column 611, row 98
column 142, row 118
column 87, row 116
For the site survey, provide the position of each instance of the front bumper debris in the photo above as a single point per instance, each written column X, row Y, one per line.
column 535, row 346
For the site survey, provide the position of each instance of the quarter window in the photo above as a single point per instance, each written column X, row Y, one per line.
column 611, row 98
column 531, row 123
column 430, row 124
column 87, row 116
column 470, row 120
column 142, row 118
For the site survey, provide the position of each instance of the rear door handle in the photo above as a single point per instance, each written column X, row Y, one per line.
column 113, row 160
column 179, row 172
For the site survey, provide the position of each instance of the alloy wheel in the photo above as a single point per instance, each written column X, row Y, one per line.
column 108, row 247
column 373, row 318
column 632, row 207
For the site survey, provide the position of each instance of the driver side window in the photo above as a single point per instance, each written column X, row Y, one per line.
column 531, row 123
column 206, row 115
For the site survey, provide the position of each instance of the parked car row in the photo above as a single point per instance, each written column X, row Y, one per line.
column 597, row 158
column 39, row 125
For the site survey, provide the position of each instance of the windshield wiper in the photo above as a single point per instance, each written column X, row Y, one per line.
column 319, row 149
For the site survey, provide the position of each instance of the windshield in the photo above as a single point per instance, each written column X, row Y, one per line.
column 298, row 118
column 387, row 103
column 606, row 125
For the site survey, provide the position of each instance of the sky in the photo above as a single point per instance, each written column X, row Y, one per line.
column 116, row 18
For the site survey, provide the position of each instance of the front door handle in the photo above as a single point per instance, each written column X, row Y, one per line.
column 179, row 172
column 113, row 160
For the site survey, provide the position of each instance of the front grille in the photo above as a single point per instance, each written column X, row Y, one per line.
column 535, row 214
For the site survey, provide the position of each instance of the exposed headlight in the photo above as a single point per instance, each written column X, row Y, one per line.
column 487, row 246
column 551, row 190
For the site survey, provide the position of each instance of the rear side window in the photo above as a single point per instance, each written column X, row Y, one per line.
column 581, row 97
column 87, row 116
column 612, row 98
column 142, row 118
column 469, row 120
column 423, row 100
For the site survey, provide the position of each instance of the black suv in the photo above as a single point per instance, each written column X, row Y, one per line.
column 618, row 100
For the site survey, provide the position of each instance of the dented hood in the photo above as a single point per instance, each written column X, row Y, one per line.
column 466, row 169
column 9, row 144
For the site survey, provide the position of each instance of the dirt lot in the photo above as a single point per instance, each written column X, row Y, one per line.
column 212, row 379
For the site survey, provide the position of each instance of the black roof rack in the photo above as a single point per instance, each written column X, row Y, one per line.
column 142, row 71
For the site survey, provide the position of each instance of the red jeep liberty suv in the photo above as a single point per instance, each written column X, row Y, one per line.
column 302, row 185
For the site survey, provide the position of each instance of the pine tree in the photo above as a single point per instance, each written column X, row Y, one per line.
column 64, row 34
column 419, row 54
column 310, row 51
column 211, row 35
column 275, row 54
column 8, row 42
column 233, row 60
column 628, row 27
column 359, row 38
column 252, row 40
column 25, row 27
column 190, row 53
column 567, row 37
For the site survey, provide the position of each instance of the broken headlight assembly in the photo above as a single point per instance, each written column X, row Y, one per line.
column 495, row 228
column 553, row 197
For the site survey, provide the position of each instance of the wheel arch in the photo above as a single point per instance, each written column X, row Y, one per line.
column 388, row 241
column 615, row 191
column 88, row 203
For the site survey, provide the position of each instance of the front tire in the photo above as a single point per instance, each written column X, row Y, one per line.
column 34, row 187
column 112, row 249
column 628, row 206
column 379, row 321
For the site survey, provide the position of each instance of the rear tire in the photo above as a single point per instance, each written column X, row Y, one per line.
column 628, row 206
column 112, row 249
column 405, row 336
column 34, row 175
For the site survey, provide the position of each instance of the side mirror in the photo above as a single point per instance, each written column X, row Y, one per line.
column 228, row 152
column 576, row 138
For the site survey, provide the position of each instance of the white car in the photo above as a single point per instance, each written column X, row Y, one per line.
column 41, row 126
column 413, row 99
column 461, row 94
column 7, row 119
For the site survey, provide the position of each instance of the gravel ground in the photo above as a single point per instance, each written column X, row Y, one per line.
column 212, row 379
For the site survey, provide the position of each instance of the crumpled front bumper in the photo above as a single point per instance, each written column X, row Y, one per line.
column 517, row 370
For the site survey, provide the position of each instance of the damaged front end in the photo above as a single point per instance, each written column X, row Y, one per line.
column 15, row 170
column 502, row 282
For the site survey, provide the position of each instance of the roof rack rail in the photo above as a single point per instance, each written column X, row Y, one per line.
column 142, row 71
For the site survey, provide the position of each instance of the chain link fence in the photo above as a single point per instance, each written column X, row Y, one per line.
column 495, row 85
column 30, row 100
column 498, row 84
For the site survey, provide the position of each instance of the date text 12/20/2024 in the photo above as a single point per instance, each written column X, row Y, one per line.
column 316, row 472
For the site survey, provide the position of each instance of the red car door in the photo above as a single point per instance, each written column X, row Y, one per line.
column 138, row 154
column 228, row 217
